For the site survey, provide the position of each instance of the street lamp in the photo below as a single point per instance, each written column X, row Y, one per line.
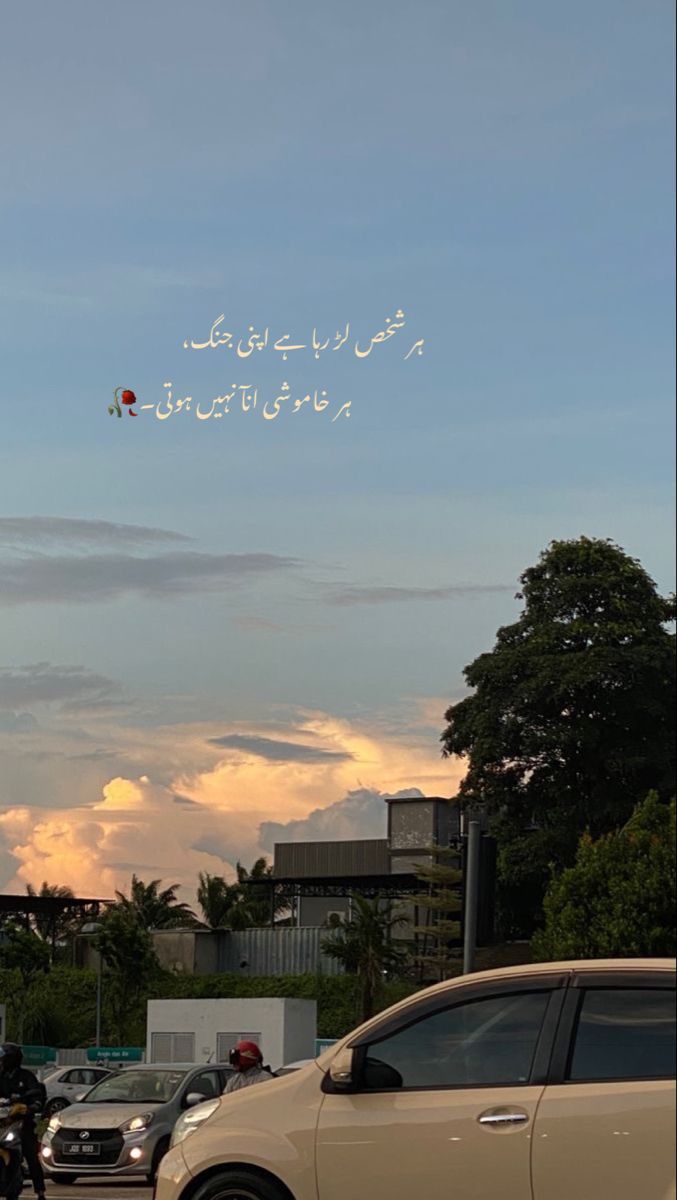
column 90, row 928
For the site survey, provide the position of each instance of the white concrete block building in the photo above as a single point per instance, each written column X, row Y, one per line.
column 202, row 1031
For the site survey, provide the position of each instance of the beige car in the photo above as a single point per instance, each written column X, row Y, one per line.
column 546, row 1082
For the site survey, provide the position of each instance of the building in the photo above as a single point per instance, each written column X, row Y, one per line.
column 316, row 880
column 203, row 1031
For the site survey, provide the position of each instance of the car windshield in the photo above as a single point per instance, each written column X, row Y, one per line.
column 128, row 1087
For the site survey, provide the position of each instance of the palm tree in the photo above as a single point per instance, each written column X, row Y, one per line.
column 52, row 927
column 364, row 944
column 217, row 899
column 155, row 909
column 244, row 904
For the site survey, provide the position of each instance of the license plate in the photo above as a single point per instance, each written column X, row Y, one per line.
column 82, row 1148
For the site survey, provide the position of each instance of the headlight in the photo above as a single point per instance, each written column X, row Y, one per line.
column 54, row 1124
column 137, row 1124
column 190, row 1120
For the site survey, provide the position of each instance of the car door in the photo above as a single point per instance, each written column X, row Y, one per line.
column 606, row 1123
column 71, row 1084
column 443, row 1098
column 206, row 1084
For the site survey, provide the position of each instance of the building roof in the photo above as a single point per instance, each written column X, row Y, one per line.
column 420, row 799
column 304, row 860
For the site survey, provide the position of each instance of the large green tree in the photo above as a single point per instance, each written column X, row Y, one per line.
column 619, row 897
column 571, row 717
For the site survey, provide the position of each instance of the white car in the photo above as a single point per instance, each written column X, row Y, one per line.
column 64, row 1085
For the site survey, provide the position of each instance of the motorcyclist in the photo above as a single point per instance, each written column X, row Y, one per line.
column 249, row 1069
column 18, row 1083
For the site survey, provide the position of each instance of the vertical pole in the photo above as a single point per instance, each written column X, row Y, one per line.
column 98, row 1000
column 472, row 874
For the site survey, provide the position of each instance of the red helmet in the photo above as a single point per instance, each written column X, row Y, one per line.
column 245, row 1055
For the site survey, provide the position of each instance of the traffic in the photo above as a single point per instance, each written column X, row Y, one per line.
column 520, row 1082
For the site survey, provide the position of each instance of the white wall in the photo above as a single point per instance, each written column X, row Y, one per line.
column 284, row 1028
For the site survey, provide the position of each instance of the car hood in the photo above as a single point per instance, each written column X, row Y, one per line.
column 102, row 1116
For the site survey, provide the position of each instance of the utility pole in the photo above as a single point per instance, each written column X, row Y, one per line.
column 472, row 879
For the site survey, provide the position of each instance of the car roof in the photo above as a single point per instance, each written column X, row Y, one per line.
column 172, row 1067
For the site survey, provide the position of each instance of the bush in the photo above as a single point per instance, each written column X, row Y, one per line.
column 62, row 1012
column 618, row 898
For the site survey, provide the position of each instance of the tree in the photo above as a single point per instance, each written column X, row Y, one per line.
column 242, row 904
column 53, row 928
column 618, row 898
column 364, row 945
column 27, row 959
column 126, row 947
column 570, row 721
column 441, row 902
column 155, row 909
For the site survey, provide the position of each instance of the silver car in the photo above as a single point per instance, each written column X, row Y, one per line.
column 124, row 1124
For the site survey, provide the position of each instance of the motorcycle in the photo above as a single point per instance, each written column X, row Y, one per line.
column 12, row 1114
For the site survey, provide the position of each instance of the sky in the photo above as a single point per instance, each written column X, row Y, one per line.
column 223, row 625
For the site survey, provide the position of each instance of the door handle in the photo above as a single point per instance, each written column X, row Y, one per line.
column 498, row 1119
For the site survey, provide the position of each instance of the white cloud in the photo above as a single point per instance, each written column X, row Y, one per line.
column 192, row 806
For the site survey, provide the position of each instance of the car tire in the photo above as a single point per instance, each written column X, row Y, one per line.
column 160, row 1151
column 54, row 1106
column 239, row 1184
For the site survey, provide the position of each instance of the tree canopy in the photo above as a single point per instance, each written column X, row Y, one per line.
column 618, row 898
column 154, row 908
column 243, row 904
column 571, row 717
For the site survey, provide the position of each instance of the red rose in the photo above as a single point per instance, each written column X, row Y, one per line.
column 128, row 397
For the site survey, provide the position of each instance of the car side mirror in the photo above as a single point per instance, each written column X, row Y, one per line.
column 342, row 1070
column 194, row 1098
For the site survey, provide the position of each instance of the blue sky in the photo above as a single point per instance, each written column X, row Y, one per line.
column 501, row 173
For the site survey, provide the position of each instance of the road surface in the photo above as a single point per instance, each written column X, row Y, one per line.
column 95, row 1189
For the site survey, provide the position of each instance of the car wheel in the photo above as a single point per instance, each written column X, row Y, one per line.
column 160, row 1151
column 54, row 1106
column 239, row 1185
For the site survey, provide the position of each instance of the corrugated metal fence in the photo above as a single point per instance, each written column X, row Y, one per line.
column 276, row 952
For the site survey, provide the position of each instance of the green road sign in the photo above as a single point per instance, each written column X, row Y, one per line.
column 38, row 1056
column 116, row 1054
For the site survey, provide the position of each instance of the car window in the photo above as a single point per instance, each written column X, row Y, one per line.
column 148, row 1086
column 625, row 1034
column 207, row 1084
column 72, row 1077
column 482, row 1042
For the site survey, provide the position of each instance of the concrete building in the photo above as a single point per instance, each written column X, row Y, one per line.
column 204, row 1031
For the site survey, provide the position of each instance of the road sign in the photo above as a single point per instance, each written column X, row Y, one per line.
column 38, row 1056
column 118, row 1054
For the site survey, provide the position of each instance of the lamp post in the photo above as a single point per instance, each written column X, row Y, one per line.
column 90, row 928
